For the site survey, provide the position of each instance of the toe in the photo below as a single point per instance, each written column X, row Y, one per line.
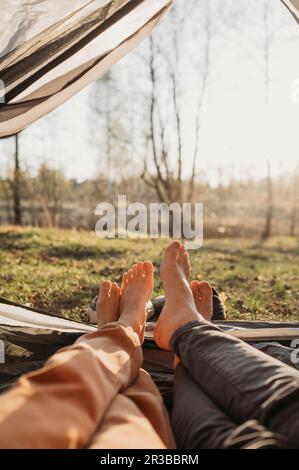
column 186, row 265
column 114, row 290
column 195, row 289
column 205, row 306
column 115, row 299
column 140, row 269
column 181, row 255
column 148, row 268
column 106, row 286
column 135, row 269
column 205, row 290
column 173, row 249
column 130, row 275
column 104, row 291
column 124, row 280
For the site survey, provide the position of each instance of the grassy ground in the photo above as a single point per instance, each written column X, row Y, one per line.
column 60, row 271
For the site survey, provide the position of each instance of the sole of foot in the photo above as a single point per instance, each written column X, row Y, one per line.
column 136, row 290
column 179, row 307
column 203, row 298
column 108, row 302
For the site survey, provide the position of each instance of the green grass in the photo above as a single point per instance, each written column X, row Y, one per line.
column 60, row 270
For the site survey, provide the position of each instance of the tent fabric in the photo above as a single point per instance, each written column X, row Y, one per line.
column 30, row 337
column 48, row 56
column 11, row 315
column 293, row 6
column 14, row 315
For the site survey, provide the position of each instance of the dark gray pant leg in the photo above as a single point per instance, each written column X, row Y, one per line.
column 199, row 424
column 242, row 381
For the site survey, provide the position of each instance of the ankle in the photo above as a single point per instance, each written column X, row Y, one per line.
column 130, row 321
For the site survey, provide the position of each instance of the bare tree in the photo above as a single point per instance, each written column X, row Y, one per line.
column 269, row 24
column 268, row 36
column 269, row 214
column 102, row 136
column 109, row 132
column 50, row 190
column 163, row 179
column 206, row 70
column 163, row 165
column 7, row 197
column 15, row 184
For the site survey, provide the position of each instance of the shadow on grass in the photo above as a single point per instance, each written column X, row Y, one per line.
column 276, row 249
column 258, row 250
column 78, row 252
column 15, row 236
column 68, row 304
column 17, row 241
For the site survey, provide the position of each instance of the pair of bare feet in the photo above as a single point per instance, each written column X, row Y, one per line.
column 184, row 302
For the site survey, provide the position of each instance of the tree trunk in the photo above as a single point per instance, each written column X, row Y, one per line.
column 269, row 215
column 293, row 222
column 202, row 96
column 17, row 185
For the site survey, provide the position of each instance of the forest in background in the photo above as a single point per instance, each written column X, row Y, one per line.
column 146, row 131
column 231, row 209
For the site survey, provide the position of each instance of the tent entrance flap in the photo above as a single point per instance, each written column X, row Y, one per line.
column 293, row 6
column 12, row 315
column 47, row 57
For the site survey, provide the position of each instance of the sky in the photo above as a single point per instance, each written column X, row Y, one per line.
column 239, row 132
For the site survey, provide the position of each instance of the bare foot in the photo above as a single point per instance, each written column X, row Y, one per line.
column 137, row 287
column 183, row 255
column 203, row 298
column 108, row 303
column 179, row 307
